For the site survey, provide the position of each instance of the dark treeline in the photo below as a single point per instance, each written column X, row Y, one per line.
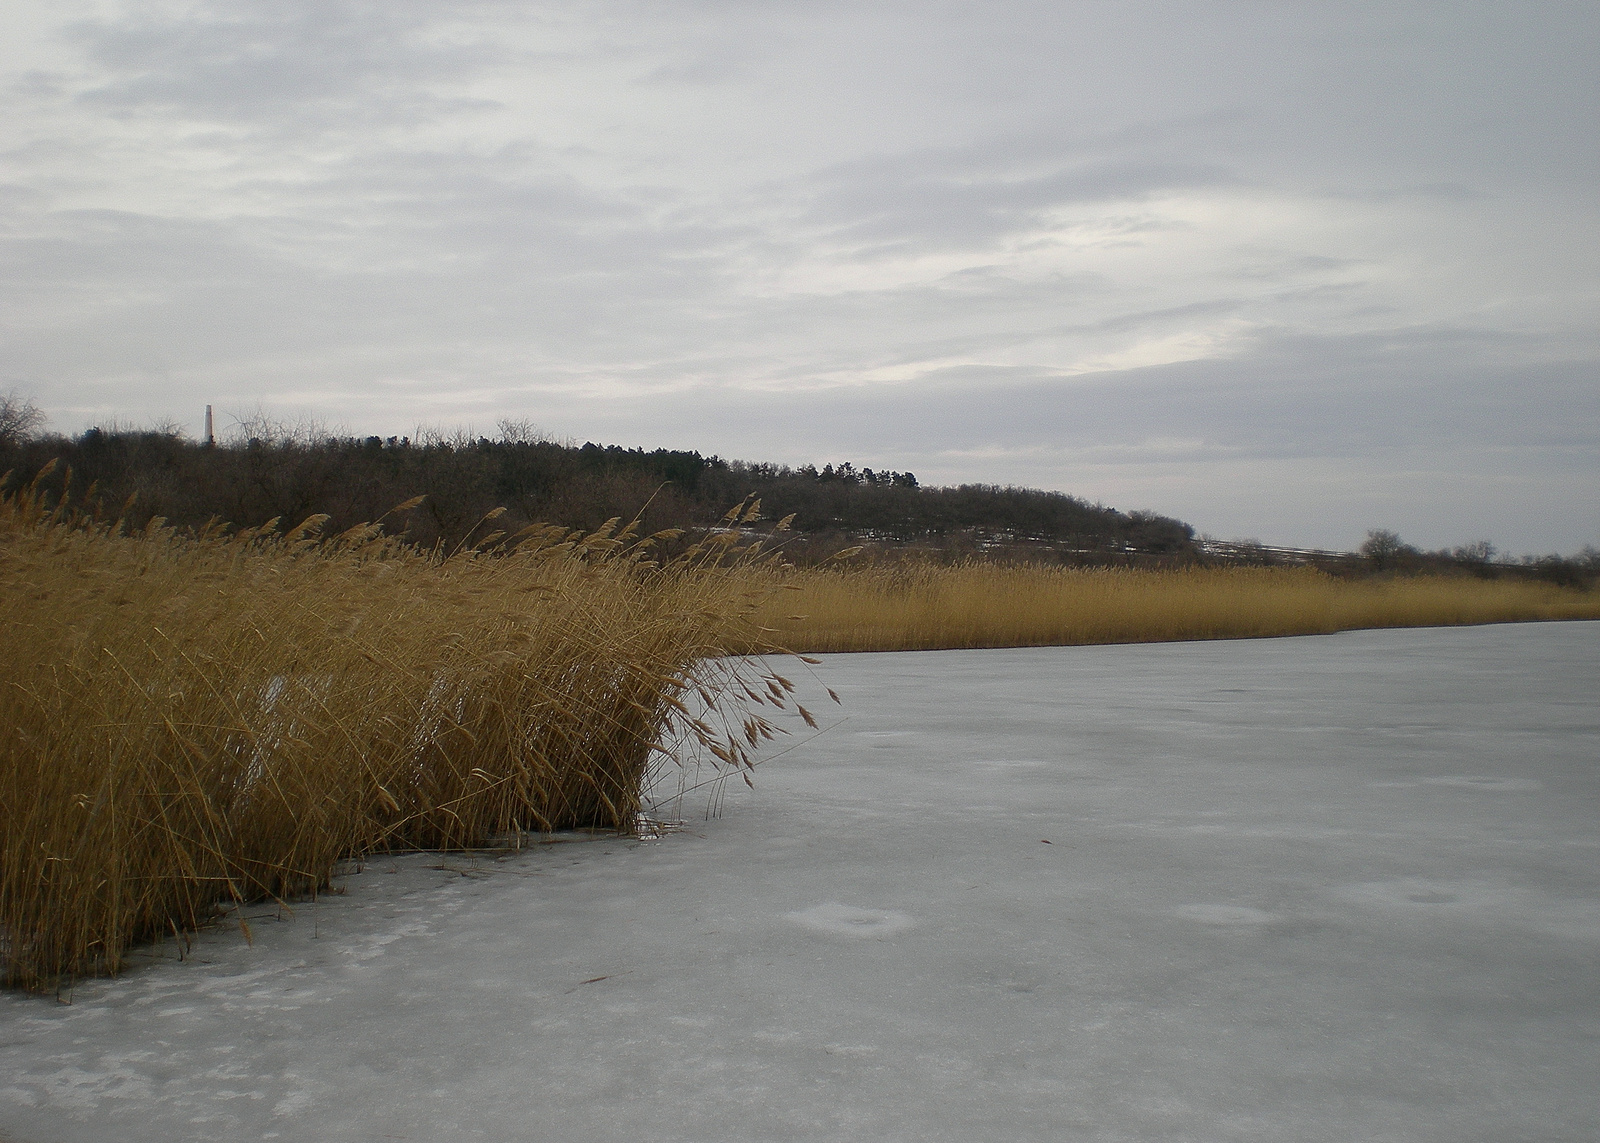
column 892, row 509
column 142, row 475
column 1384, row 553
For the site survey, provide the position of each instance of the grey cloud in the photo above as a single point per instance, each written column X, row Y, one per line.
column 1367, row 396
column 251, row 62
column 699, row 72
column 483, row 259
column 382, row 274
column 1372, row 399
column 909, row 201
column 1216, row 307
column 978, row 192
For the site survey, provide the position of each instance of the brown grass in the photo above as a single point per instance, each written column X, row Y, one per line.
column 191, row 721
column 926, row 606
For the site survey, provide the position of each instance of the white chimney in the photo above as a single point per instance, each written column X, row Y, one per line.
column 211, row 437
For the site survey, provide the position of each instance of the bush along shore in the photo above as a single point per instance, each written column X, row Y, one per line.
column 193, row 720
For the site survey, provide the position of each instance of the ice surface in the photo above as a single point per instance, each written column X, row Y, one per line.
column 1329, row 888
column 849, row 921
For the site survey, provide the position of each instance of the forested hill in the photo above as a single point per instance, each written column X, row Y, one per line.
column 355, row 479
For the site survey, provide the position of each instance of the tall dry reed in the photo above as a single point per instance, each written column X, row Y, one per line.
column 926, row 606
column 189, row 721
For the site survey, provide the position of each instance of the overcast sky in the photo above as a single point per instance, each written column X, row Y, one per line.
column 1285, row 270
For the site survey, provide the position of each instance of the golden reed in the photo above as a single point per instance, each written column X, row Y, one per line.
column 190, row 721
column 928, row 606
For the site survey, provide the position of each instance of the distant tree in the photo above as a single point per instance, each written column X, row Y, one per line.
column 1477, row 552
column 19, row 418
column 521, row 431
column 1383, row 548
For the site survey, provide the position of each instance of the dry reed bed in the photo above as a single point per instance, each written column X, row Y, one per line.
column 926, row 606
column 190, row 721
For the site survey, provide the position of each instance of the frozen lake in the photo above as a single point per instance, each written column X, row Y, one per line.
column 1331, row 888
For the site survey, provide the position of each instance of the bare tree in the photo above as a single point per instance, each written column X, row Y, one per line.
column 1477, row 552
column 1382, row 547
column 521, row 430
column 20, row 418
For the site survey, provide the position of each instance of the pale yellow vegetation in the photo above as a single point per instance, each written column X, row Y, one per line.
column 926, row 606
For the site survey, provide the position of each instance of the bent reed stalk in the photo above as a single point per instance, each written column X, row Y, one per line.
column 194, row 721
column 929, row 606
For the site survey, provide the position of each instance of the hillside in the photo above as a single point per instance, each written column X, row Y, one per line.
column 143, row 475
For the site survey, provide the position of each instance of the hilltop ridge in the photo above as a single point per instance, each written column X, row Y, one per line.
column 144, row 475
